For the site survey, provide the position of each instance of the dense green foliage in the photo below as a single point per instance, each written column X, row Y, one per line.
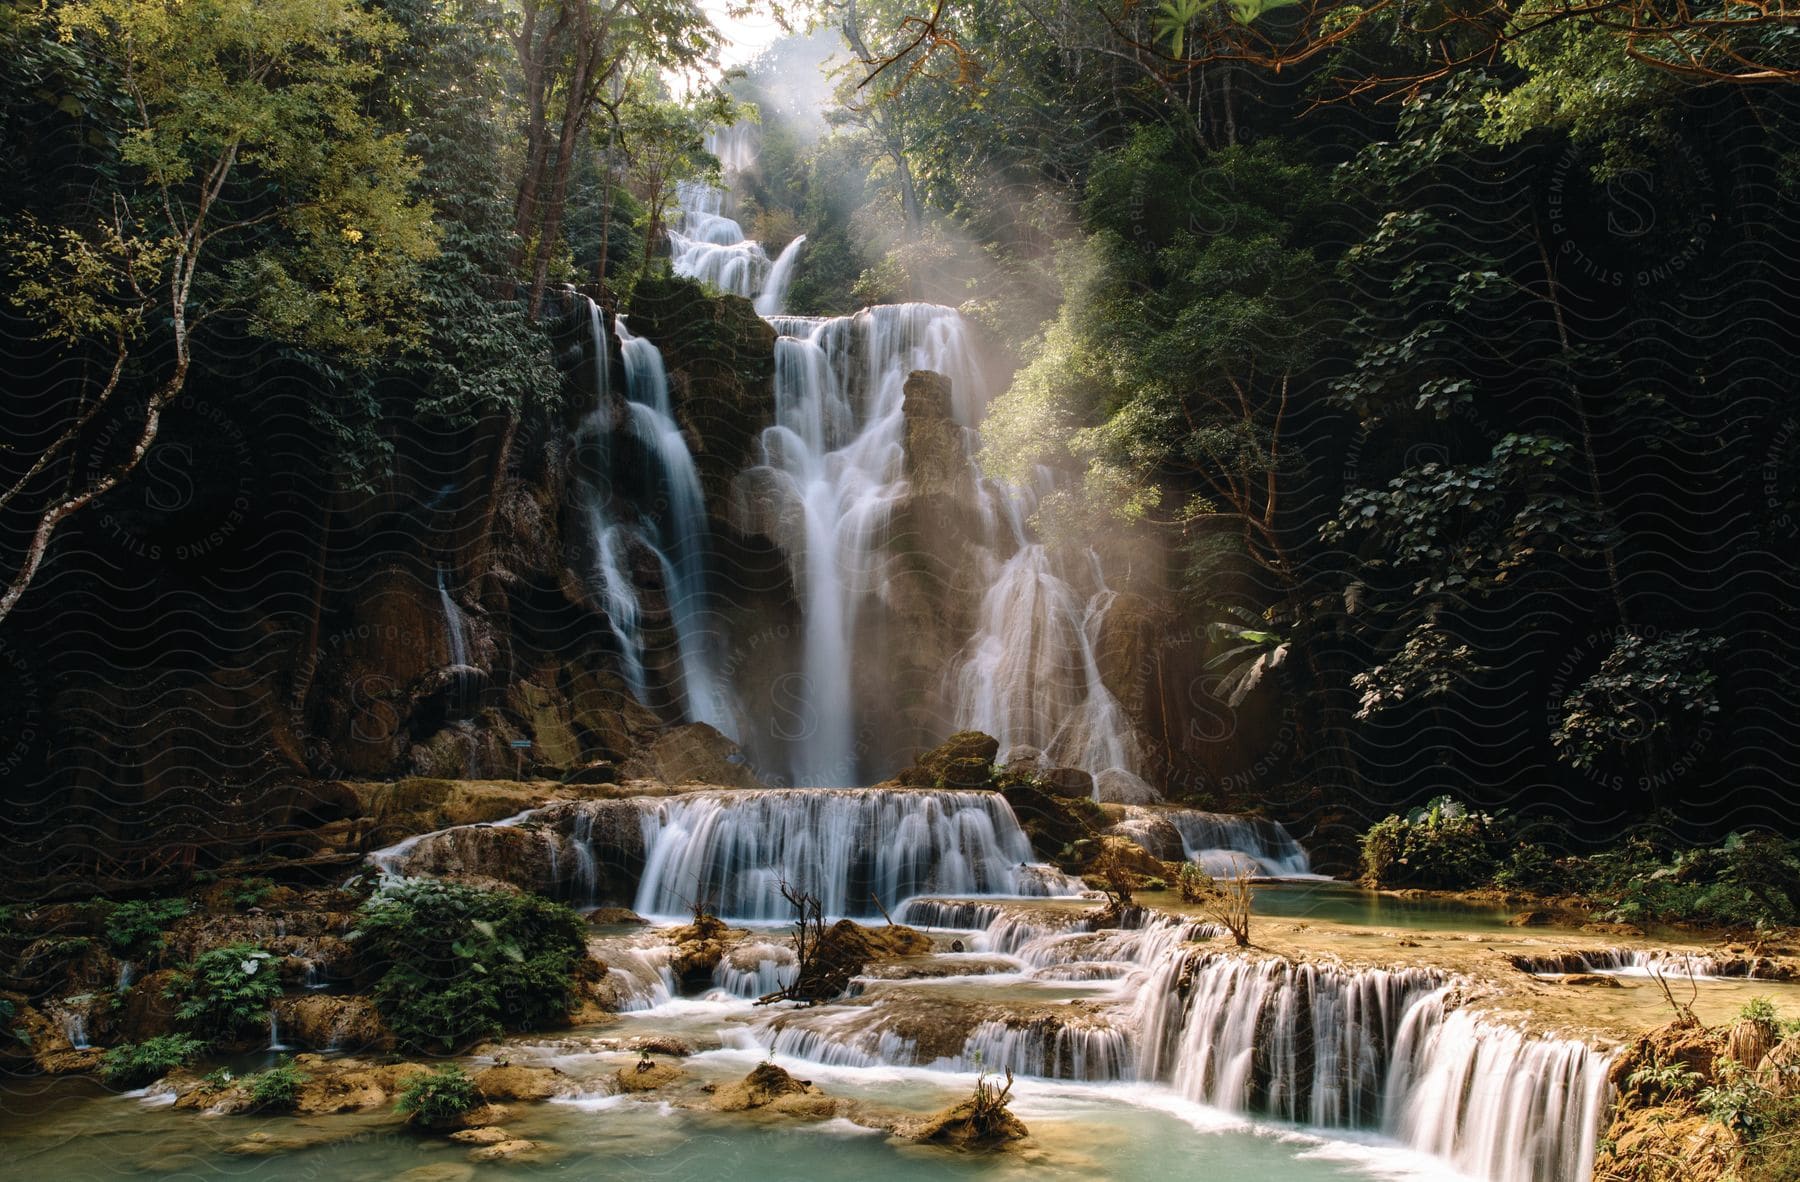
column 227, row 992
column 278, row 1088
column 452, row 963
column 438, row 1097
column 1749, row 880
column 135, row 928
column 132, row 1065
column 1444, row 845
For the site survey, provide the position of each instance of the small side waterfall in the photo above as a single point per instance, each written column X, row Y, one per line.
column 1222, row 843
column 773, row 300
column 454, row 626
column 1029, row 676
column 857, row 851
column 677, row 539
column 684, row 531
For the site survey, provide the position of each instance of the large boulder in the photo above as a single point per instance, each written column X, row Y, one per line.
column 964, row 760
column 692, row 754
column 699, row 946
column 1071, row 782
column 329, row 1022
column 845, row 949
column 1053, row 823
column 765, row 1085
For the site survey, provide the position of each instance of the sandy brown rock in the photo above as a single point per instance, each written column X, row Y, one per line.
column 512, row 1082
column 765, row 1084
column 692, row 754
column 516, row 1149
column 639, row 1078
column 481, row 1135
column 324, row 1021
column 699, row 946
column 963, row 1127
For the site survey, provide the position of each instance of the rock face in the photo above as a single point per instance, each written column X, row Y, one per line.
column 721, row 360
column 692, row 754
column 964, row 760
column 933, row 582
column 846, row 949
column 698, row 948
column 326, row 1022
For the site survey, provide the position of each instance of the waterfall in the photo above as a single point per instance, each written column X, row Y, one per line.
column 684, row 556
column 1492, row 1101
column 832, row 462
column 275, row 1043
column 710, row 246
column 857, row 851
column 71, row 1016
column 454, row 626
column 773, row 300
column 1222, row 843
column 1029, row 676
column 680, row 540
column 610, row 539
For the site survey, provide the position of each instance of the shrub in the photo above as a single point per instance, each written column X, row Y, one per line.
column 227, row 991
column 438, row 1097
column 1747, row 881
column 136, row 928
column 251, row 892
column 1531, row 867
column 278, row 1088
column 453, row 963
column 1442, row 845
column 132, row 1065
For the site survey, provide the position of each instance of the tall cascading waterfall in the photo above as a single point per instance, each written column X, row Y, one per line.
column 830, row 479
column 833, row 467
column 683, row 533
column 679, row 536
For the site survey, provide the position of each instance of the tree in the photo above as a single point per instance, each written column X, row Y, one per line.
column 247, row 182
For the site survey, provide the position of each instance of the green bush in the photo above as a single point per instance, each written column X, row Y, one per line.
column 1443, row 845
column 251, row 892
column 136, row 928
column 453, row 963
column 439, row 1096
column 1749, row 880
column 132, row 1065
column 227, row 992
column 277, row 1089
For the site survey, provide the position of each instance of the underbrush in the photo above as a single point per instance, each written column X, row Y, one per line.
column 452, row 963
column 1747, row 881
